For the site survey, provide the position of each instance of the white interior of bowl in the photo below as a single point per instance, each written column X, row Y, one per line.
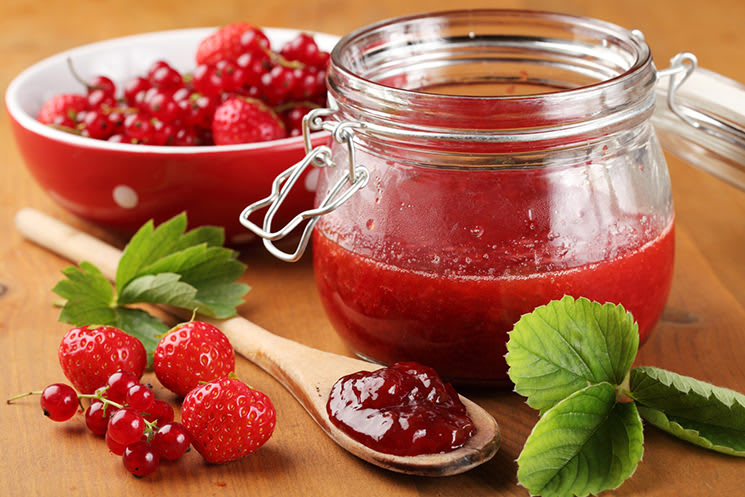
column 121, row 59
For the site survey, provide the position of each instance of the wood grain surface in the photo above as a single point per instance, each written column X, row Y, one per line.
column 702, row 333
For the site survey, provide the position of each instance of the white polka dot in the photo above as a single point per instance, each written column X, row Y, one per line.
column 311, row 179
column 125, row 196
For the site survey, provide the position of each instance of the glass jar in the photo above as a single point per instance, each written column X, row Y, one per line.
column 487, row 162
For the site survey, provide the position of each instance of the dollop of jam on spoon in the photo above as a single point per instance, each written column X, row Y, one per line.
column 404, row 409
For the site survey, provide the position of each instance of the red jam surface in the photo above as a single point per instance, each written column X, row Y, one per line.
column 404, row 409
column 458, row 323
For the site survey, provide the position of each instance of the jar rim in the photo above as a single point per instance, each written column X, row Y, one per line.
column 627, row 94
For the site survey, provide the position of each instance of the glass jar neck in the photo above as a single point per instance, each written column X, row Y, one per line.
column 521, row 80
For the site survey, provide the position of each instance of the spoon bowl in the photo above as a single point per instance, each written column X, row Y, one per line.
column 307, row 373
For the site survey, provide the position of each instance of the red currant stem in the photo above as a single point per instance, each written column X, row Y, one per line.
column 20, row 396
column 150, row 428
column 99, row 396
column 77, row 76
column 66, row 129
column 279, row 60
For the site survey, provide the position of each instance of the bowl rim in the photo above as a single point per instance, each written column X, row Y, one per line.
column 31, row 124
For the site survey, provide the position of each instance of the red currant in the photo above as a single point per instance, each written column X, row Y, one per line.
column 198, row 110
column 185, row 137
column 102, row 83
column 126, row 426
column 278, row 84
column 137, row 127
column 114, row 446
column 230, row 79
column 100, row 99
column 133, row 87
column 253, row 65
column 96, row 125
column 162, row 75
column 119, row 383
column 140, row 397
column 204, row 80
column 171, row 441
column 140, row 459
column 59, row 402
column 293, row 119
column 303, row 49
column 163, row 133
column 254, row 39
column 160, row 412
column 161, row 105
column 97, row 417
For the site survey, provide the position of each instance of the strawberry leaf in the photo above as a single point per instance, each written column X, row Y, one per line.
column 90, row 297
column 162, row 288
column 561, row 347
column 142, row 325
column 210, row 269
column 585, row 444
column 147, row 246
column 698, row 412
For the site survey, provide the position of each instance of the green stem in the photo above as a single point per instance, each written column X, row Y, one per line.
column 20, row 396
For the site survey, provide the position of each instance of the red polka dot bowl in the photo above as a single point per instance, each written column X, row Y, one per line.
column 120, row 185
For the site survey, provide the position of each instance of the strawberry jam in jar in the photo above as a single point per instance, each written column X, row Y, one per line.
column 483, row 163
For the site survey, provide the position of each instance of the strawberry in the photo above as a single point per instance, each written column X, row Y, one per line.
column 230, row 42
column 227, row 419
column 62, row 109
column 90, row 354
column 245, row 120
column 190, row 354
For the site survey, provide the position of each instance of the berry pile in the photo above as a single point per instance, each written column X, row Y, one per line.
column 194, row 359
column 241, row 91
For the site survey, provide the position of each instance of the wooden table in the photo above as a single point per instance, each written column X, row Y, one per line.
column 702, row 333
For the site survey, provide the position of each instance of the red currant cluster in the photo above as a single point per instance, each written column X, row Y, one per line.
column 241, row 91
column 135, row 424
column 194, row 360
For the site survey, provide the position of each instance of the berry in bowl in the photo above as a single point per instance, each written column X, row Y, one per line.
column 146, row 126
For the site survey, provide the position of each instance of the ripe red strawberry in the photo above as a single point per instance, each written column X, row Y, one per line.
column 190, row 354
column 227, row 419
column 90, row 354
column 245, row 120
column 230, row 42
column 62, row 109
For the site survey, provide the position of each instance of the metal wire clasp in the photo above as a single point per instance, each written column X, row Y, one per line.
column 681, row 67
column 355, row 178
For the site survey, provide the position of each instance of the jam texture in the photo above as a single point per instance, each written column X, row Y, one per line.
column 404, row 409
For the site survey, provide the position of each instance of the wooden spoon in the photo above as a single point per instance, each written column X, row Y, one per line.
column 307, row 373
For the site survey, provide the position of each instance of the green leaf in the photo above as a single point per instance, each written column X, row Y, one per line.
column 162, row 288
column 196, row 256
column 90, row 297
column 147, row 246
column 560, row 347
column 585, row 444
column 698, row 412
column 140, row 324
column 210, row 235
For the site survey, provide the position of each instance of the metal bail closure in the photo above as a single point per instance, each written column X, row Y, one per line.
column 355, row 178
column 682, row 66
